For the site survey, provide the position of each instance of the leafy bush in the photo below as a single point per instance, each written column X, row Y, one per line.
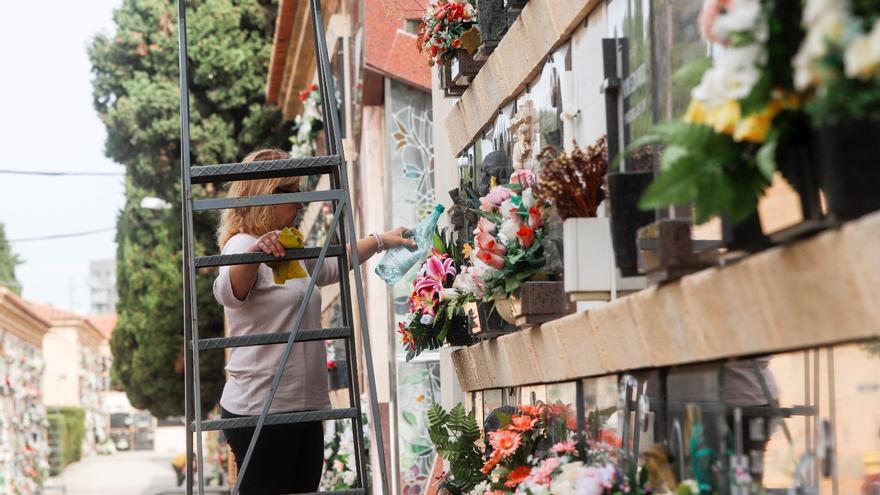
column 68, row 426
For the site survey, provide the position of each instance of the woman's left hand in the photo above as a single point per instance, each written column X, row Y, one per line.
column 395, row 238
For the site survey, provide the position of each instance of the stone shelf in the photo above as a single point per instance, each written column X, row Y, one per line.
column 820, row 291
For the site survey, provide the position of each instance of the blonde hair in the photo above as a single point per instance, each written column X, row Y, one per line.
column 256, row 220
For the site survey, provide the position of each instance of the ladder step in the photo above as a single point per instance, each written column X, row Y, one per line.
column 267, row 200
column 293, row 167
column 273, row 338
column 280, row 419
column 333, row 250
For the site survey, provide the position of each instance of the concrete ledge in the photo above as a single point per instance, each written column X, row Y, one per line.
column 540, row 29
column 821, row 291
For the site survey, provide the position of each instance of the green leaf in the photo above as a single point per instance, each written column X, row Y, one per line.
column 410, row 418
column 766, row 159
column 439, row 245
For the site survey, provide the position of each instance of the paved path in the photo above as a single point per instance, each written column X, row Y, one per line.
column 128, row 473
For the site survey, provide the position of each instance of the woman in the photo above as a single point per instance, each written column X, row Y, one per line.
column 287, row 458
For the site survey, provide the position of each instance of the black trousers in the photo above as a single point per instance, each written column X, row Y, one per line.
column 286, row 459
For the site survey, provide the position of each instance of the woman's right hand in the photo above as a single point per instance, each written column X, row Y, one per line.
column 268, row 243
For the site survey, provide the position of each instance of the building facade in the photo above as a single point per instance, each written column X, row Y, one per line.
column 102, row 286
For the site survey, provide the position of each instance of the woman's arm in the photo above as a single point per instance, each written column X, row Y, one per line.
column 242, row 277
column 369, row 246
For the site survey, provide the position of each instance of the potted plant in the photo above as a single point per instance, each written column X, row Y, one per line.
column 838, row 69
column 625, row 188
column 508, row 254
column 722, row 155
column 436, row 309
column 448, row 37
column 573, row 184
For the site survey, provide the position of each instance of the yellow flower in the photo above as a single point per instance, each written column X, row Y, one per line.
column 696, row 112
column 466, row 250
column 753, row 129
column 724, row 118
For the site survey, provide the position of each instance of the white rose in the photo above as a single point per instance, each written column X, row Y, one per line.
column 448, row 294
column 528, row 198
column 426, row 320
column 858, row 61
column 508, row 230
column 814, row 10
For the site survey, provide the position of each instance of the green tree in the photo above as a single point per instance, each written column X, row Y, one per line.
column 135, row 83
column 8, row 261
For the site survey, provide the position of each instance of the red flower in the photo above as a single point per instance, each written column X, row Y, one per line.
column 522, row 422
column 526, row 236
column 303, row 95
column 331, row 364
column 456, row 43
column 488, row 242
column 517, row 476
column 314, row 86
column 433, row 50
column 535, row 217
column 491, row 463
column 491, row 259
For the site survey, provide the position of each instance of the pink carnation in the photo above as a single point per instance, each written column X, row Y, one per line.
column 498, row 195
column 542, row 474
column 565, row 447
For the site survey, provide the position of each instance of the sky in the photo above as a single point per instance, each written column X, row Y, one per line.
column 47, row 123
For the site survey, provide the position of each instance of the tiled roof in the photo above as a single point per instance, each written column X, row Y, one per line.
column 388, row 48
column 104, row 323
column 51, row 313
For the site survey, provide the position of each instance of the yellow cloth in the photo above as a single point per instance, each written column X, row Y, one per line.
column 289, row 269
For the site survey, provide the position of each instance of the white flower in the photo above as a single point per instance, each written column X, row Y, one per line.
column 508, row 230
column 426, row 320
column 858, row 61
column 828, row 28
column 733, row 75
column 692, row 486
column 744, row 16
column 349, row 477
column 528, row 198
column 814, row 10
column 448, row 294
column 505, row 208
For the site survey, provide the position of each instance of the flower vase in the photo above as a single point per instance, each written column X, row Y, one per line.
column 535, row 302
column 588, row 258
column 459, row 331
column 463, row 67
column 849, row 167
column 493, row 26
column 450, row 89
column 747, row 235
column 625, row 189
column 485, row 322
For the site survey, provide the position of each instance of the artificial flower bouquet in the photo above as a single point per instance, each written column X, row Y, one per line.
column 722, row 154
column 507, row 248
column 308, row 124
column 838, row 63
column 443, row 25
column 533, row 451
column 434, row 304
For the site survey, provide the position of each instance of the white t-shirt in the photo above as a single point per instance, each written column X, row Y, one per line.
column 268, row 308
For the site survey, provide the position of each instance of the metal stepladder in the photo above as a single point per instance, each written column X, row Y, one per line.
column 342, row 225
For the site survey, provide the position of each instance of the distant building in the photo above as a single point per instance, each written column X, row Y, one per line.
column 76, row 350
column 102, row 285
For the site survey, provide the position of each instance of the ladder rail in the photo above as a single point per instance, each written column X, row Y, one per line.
column 193, row 403
column 335, row 138
column 301, row 312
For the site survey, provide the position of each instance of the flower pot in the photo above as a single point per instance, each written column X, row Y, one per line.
column 624, row 190
column 849, row 167
column 459, row 331
column 463, row 68
column 535, row 302
column 747, row 235
column 796, row 159
column 588, row 257
column 450, row 89
column 493, row 25
column 485, row 322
